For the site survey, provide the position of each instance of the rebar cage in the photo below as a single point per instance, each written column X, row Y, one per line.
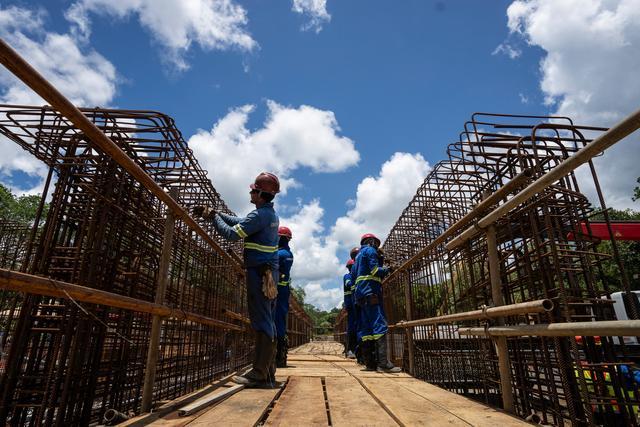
column 63, row 362
column 543, row 251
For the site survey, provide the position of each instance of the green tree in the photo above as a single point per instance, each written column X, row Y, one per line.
column 21, row 208
column 636, row 191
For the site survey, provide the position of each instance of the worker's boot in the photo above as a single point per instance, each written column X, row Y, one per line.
column 281, row 355
column 384, row 365
column 368, row 356
column 260, row 375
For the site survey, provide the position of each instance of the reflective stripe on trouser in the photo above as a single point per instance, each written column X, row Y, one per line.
column 260, row 308
column 281, row 311
column 373, row 323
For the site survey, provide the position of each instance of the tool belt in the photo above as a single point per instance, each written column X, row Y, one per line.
column 268, row 284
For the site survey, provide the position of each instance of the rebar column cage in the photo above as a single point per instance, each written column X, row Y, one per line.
column 544, row 253
column 63, row 362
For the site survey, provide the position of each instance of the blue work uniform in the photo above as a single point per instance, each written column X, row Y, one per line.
column 349, row 303
column 285, row 260
column 259, row 230
column 368, row 274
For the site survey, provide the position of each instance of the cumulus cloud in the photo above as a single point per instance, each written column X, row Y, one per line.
column 322, row 297
column 380, row 200
column 316, row 268
column 315, row 11
column 82, row 74
column 175, row 25
column 291, row 138
column 592, row 49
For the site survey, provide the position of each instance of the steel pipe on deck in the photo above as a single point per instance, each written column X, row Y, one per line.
column 22, row 282
column 609, row 328
column 538, row 306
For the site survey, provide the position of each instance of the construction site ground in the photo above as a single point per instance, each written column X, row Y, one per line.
column 323, row 388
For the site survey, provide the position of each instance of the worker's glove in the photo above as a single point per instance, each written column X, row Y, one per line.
column 204, row 212
column 268, row 284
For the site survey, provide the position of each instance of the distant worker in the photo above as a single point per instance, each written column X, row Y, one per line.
column 349, row 307
column 368, row 273
column 285, row 261
column 259, row 230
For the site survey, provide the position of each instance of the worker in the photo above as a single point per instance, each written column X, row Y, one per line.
column 349, row 307
column 259, row 229
column 368, row 273
column 285, row 261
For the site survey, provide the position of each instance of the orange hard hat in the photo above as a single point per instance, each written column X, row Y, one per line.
column 266, row 182
column 285, row 231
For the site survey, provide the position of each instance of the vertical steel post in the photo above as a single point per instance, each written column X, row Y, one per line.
column 409, row 331
column 504, row 364
column 156, row 325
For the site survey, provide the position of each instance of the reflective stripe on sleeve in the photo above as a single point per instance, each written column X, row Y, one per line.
column 239, row 231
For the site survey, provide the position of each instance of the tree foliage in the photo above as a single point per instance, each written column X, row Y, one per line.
column 19, row 208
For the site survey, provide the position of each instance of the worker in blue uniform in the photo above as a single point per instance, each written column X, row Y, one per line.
column 368, row 273
column 285, row 261
column 348, row 287
column 259, row 229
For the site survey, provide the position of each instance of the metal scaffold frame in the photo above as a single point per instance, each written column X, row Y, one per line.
column 116, row 298
column 499, row 291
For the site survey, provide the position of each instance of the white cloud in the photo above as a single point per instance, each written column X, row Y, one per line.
column 83, row 75
column 507, row 49
column 589, row 72
column 175, row 25
column 380, row 200
column 316, row 267
column 315, row 10
column 291, row 138
column 315, row 256
column 322, row 297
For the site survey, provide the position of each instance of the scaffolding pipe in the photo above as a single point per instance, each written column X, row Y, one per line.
column 32, row 78
column 22, row 282
column 609, row 328
column 621, row 130
column 504, row 365
column 538, row 306
column 156, row 322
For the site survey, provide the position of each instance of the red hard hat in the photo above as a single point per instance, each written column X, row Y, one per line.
column 267, row 182
column 369, row 236
column 354, row 252
column 350, row 263
column 285, row 231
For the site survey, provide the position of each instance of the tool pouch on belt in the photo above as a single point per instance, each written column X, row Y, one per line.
column 268, row 284
column 373, row 299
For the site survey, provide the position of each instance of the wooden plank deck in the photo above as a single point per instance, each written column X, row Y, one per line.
column 316, row 382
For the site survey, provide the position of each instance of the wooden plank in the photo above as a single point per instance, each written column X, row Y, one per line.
column 410, row 408
column 241, row 409
column 352, row 405
column 473, row 412
column 301, row 404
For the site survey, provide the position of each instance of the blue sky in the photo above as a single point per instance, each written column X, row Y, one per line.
column 331, row 91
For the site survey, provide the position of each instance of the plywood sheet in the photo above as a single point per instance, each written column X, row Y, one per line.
column 352, row 405
column 301, row 404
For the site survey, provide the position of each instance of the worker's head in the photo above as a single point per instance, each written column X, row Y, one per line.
column 370, row 240
column 350, row 263
column 285, row 235
column 354, row 253
column 265, row 188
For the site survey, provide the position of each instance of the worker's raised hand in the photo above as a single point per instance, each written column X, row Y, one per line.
column 204, row 212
